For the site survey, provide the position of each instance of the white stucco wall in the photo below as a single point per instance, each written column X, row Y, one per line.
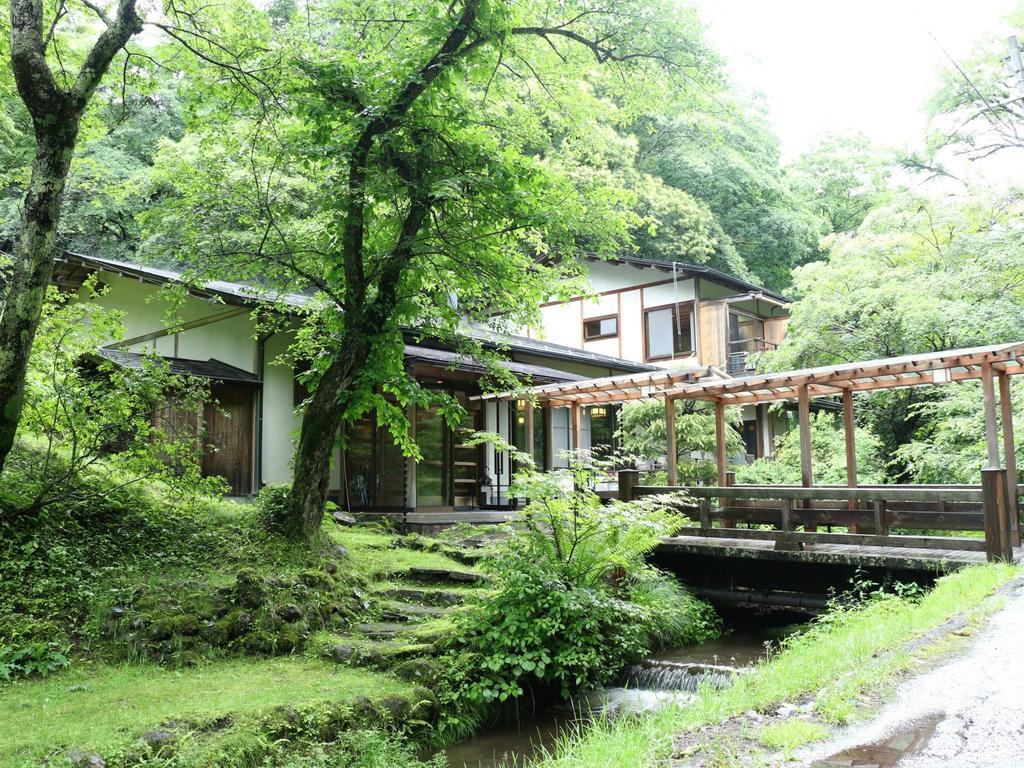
column 280, row 423
column 562, row 323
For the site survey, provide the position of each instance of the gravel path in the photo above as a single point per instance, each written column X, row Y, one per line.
column 968, row 712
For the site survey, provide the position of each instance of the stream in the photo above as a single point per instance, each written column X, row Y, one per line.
column 672, row 676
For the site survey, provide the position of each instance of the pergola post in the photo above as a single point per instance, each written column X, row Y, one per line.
column 804, row 418
column 991, row 425
column 528, row 435
column 549, row 438
column 995, row 503
column 576, row 416
column 671, row 456
column 721, row 451
column 851, row 450
column 1009, row 456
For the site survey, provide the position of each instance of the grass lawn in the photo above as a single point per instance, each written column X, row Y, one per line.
column 836, row 660
column 98, row 707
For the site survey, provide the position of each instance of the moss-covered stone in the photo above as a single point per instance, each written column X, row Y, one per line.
column 250, row 589
column 317, row 580
column 420, row 670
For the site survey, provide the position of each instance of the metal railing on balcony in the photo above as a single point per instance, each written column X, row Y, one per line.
column 740, row 361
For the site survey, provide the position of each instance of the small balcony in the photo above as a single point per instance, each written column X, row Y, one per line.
column 743, row 355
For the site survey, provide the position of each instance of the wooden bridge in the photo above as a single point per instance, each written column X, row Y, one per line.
column 895, row 527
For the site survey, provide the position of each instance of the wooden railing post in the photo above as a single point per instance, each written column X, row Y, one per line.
column 730, row 480
column 785, row 542
column 628, row 480
column 705, row 514
column 881, row 523
column 787, row 514
column 998, row 527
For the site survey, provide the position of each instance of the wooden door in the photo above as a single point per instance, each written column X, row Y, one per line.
column 228, row 423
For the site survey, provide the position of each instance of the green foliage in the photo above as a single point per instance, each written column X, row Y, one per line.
column 920, row 274
column 828, row 456
column 572, row 599
column 53, row 565
column 725, row 156
column 31, row 659
column 842, row 179
column 948, row 445
column 583, row 540
column 641, row 432
column 974, row 111
column 272, row 507
column 680, row 227
column 90, row 415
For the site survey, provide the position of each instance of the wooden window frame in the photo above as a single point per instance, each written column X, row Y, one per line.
column 599, row 319
column 675, row 307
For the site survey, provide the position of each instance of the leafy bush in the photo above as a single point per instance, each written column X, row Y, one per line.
column 272, row 507
column 31, row 659
column 82, row 408
column 641, row 432
column 573, row 599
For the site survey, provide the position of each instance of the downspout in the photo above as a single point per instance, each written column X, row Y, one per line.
column 261, row 362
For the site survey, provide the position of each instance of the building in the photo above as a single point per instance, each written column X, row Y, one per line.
column 252, row 427
column 674, row 316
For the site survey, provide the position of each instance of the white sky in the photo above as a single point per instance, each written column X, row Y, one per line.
column 847, row 65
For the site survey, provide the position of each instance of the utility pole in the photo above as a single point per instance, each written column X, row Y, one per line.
column 1014, row 61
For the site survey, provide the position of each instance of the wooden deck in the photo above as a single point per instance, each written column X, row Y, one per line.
column 850, row 555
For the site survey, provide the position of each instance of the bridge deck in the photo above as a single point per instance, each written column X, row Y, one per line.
column 905, row 558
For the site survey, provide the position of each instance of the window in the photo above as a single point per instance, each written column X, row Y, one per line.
column 668, row 331
column 601, row 328
column 746, row 332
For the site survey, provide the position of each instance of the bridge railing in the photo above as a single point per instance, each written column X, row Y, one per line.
column 878, row 508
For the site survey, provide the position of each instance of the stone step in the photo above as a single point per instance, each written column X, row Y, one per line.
column 378, row 654
column 410, row 612
column 444, row 575
column 382, row 630
column 435, row 597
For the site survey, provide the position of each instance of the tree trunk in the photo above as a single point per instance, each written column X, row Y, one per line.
column 33, row 270
column 320, row 424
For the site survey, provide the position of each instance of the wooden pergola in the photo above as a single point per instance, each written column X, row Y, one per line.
column 576, row 395
column 991, row 365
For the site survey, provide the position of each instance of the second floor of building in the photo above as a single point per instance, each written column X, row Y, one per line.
column 668, row 314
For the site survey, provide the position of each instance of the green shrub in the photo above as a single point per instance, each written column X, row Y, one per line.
column 272, row 507
column 32, row 659
column 672, row 615
column 573, row 600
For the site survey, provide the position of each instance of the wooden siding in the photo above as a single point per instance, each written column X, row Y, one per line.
column 713, row 333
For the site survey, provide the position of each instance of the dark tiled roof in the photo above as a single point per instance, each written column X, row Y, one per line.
column 206, row 369
column 694, row 270
column 455, row 360
column 238, row 293
column 231, row 293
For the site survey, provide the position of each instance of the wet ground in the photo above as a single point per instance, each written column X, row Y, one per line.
column 965, row 713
